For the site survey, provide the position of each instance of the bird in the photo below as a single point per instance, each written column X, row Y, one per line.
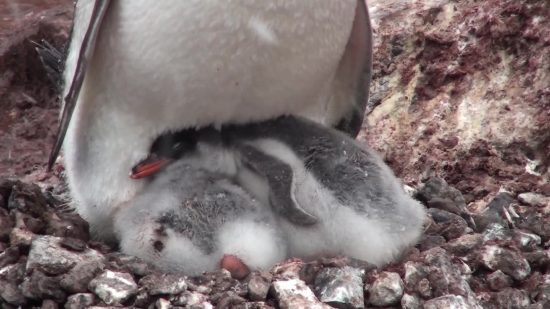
column 194, row 218
column 133, row 70
column 330, row 194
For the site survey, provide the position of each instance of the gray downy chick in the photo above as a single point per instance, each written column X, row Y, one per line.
column 193, row 218
column 361, row 208
column 331, row 195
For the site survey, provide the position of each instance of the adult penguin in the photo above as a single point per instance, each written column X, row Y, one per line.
column 133, row 70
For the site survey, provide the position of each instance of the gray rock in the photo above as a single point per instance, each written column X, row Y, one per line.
column 508, row 298
column 448, row 302
column 164, row 284
column 258, row 285
column 538, row 258
column 464, row 245
column 295, row 294
column 14, row 273
column 526, row 241
column 534, row 199
column 162, row 303
column 49, row 304
column 496, row 231
column 113, row 287
column 340, row 287
column 197, row 300
column 21, row 238
column 9, row 256
column 178, row 300
column 228, row 300
column 73, row 244
column 48, row 254
column 11, row 293
column 40, row 286
column 498, row 281
column 509, row 262
column 136, row 265
column 386, row 290
column 436, row 267
column 451, row 225
column 79, row 277
column 202, row 284
column 539, row 305
column 494, row 212
column 80, row 301
column 542, row 292
column 26, row 222
column 288, row 270
column 428, row 242
column 7, row 223
column 436, row 193
column 410, row 302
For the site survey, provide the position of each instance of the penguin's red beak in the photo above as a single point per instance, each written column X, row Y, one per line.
column 235, row 266
column 148, row 168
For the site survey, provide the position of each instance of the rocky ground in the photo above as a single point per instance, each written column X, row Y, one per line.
column 460, row 110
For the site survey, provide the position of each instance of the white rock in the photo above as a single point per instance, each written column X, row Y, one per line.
column 113, row 287
column 295, row 294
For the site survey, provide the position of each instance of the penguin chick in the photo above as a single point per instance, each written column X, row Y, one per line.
column 192, row 218
column 305, row 170
column 361, row 207
column 135, row 69
column 264, row 173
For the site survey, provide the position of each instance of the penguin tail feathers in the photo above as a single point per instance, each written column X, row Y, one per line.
column 51, row 60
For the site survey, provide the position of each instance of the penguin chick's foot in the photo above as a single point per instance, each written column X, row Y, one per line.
column 150, row 166
column 235, row 266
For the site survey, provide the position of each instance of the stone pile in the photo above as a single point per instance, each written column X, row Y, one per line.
column 497, row 258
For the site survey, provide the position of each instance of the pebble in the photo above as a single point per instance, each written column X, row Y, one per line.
column 7, row 223
column 436, row 193
column 534, row 199
column 510, row 262
column 80, row 301
column 444, row 276
column 9, row 256
column 162, row 303
column 40, row 286
column 113, row 287
column 494, row 212
column 386, row 290
column 11, row 293
column 295, row 294
column 197, row 300
column 21, row 238
column 542, row 292
column 508, row 298
column 410, row 302
column 340, row 287
column 49, row 304
column 164, row 284
column 498, row 281
column 428, row 242
column 448, row 302
column 258, row 285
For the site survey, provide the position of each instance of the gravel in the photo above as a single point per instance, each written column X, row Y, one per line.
column 48, row 260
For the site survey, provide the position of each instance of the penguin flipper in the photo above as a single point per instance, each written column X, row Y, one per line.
column 84, row 56
column 279, row 177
